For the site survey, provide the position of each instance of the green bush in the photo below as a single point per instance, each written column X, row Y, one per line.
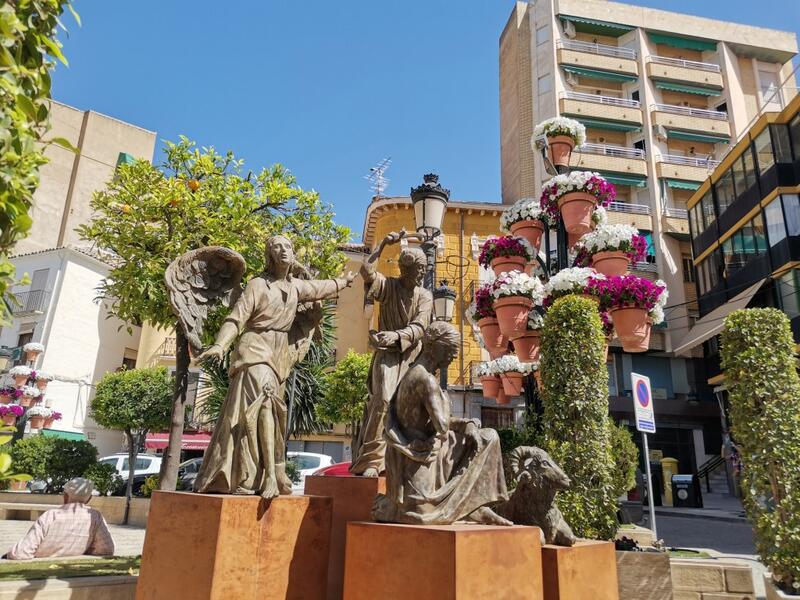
column 53, row 460
column 575, row 398
column 105, row 478
column 346, row 390
column 626, row 458
column 758, row 358
column 149, row 486
column 292, row 471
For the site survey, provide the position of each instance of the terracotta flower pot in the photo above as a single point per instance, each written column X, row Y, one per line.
column 530, row 230
column 48, row 422
column 25, row 400
column 31, row 356
column 490, row 384
column 512, row 314
column 506, row 264
column 20, row 380
column 36, row 422
column 572, row 239
column 502, row 397
column 5, row 399
column 496, row 343
column 18, row 486
column 526, row 346
column 559, row 149
column 9, row 419
column 576, row 211
column 610, row 264
column 512, row 383
column 632, row 327
column 41, row 384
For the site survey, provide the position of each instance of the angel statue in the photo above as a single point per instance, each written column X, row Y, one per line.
column 272, row 324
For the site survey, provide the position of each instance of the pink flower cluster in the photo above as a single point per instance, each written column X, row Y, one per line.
column 483, row 301
column 11, row 391
column 625, row 291
column 56, row 416
column 11, row 409
column 506, row 245
column 604, row 192
column 582, row 258
column 638, row 250
column 608, row 326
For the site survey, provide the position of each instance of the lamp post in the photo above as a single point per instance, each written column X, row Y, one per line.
column 430, row 201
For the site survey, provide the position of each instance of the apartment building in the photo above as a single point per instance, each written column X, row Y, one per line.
column 663, row 97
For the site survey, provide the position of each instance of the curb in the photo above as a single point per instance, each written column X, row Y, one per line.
column 715, row 517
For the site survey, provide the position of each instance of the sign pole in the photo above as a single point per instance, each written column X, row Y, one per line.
column 649, row 487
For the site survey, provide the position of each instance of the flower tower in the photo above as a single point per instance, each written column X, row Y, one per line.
column 23, row 401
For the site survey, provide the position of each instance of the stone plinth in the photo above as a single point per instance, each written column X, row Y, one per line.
column 586, row 570
column 209, row 547
column 352, row 501
column 444, row 562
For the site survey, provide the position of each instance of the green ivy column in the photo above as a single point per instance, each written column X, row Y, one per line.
column 758, row 358
column 575, row 396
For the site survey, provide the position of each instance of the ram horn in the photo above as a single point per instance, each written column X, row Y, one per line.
column 517, row 458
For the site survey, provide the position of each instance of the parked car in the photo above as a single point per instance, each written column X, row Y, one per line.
column 138, row 482
column 146, row 464
column 187, row 473
column 307, row 463
column 341, row 469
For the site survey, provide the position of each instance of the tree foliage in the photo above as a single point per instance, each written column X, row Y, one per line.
column 575, row 398
column 138, row 401
column 27, row 47
column 346, row 390
column 626, row 458
column 758, row 358
column 53, row 460
column 104, row 477
column 7, row 473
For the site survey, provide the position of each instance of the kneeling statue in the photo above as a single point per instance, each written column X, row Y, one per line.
column 439, row 469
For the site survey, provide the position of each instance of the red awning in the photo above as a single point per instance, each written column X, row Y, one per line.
column 190, row 441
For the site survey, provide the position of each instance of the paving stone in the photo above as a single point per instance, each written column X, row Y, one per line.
column 698, row 577
column 739, row 579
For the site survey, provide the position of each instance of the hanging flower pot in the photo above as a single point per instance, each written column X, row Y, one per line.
column 36, row 422
column 512, row 314
column 54, row 416
column 574, row 280
column 526, row 219
column 531, row 231
column 32, row 350
column 611, row 264
column 512, row 382
column 9, row 419
column 562, row 135
column 632, row 327
column 25, row 400
column 48, row 423
column 42, row 379
column 514, row 294
column 526, row 346
column 490, row 385
column 506, row 264
column 612, row 247
column 576, row 210
column 20, row 374
column 559, row 149
column 29, row 395
column 573, row 198
column 10, row 413
column 507, row 253
column 493, row 339
column 502, row 397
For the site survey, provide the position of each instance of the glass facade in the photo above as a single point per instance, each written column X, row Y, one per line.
column 763, row 147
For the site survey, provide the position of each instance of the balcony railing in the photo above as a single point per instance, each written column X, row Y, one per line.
column 610, row 100
column 628, row 207
column 609, row 150
column 689, row 161
column 690, row 112
column 688, row 64
column 678, row 213
column 645, row 267
column 602, row 49
column 167, row 349
column 30, row 303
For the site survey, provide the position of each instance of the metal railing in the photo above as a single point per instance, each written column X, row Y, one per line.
column 690, row 112
column 602, row 49
column 709, row 467
column 609, row 150
column 29, row 303
column 167, row 349
column 679, row 213
column 610, row 100
column 688, row 64
column 690, row 161
column 628, row 207
column 645, row 267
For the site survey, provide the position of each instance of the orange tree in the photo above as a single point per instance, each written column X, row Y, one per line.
column 149, row 215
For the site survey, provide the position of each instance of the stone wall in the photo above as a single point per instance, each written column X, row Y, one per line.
column 112, row 507
column 695, row 579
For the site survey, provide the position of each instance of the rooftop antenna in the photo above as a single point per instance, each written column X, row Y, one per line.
column 377, row 177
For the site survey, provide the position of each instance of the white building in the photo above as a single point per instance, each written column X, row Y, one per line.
column 58, row 309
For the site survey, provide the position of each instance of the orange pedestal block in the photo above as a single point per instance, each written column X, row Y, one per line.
column 215, row 547
column 352, row 501
column 442, row 562
column 586, row 570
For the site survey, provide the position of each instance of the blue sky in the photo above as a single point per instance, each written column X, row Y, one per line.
column 326, row 88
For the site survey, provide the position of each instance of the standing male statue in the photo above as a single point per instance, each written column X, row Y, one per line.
column 405, row 312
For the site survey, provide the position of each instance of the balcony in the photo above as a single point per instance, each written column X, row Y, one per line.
column 166, row 349
column 578, row 104
column 627, row 213
column 701, row 74
column 605, row 157
column 30, row 303
column 690, row 168
column 675, row 222
column 686, row 118
column 597, row 56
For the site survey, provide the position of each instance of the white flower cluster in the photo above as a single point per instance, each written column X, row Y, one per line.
column 33, row 347
column 19, row 371
column 574, row 279
column 535, row 320
column 39, row 411
column 526, row 209
column 42, row 376
column 483, row 369
column 599, row 216
column 32, row 391
column 509, row 363
column 561, row 126
column 657, row 313
column 576, row 181
column 607, row 238
column 517, row 283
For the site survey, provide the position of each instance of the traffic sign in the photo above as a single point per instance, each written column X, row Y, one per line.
column 643, row 403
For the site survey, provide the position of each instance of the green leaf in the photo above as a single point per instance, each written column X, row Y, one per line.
column 64, row 143
column 5, row 462
column 19, row 477
column 75, row 15
column 55, row 50
column 27, row 106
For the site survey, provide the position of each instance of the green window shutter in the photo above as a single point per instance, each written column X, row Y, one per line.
column 682, row 184
column 625, row 179
column 682, row 42
column 599, row 74
column 608, row 125
column 125, row 159
column 689, row 89
column 696, row 137
column 595, row 26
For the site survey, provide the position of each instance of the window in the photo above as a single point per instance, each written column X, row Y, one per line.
column 142, row 464
column 695, row 221
column 545, row 84
column 305, row 462
column 497, row 418
column 783, row 147
column 542, row 35
column 722, row 107
column 794, row 134
column 724, row 190
column 729, row 258
column 770, row 93
column 635, row 95
column 758, row 234
column 639, row 144
column 776, row 229
column 789, row 288
column 128, row 364
column 688, row 269
column 763, row 145
column 749, row 168
column 791, row 209
column 707, row 202
column 651, row 247
column 110, row 461
column 739, row 177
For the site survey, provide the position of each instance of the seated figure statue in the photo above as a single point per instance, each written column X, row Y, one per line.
column 439, row 469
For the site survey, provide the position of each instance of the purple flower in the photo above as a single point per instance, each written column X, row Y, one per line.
column 11, row 409
column 56, row 416
column 506, row 245
column 483, row 302
column 625, row 291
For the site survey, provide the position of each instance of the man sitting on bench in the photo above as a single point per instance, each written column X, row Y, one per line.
column 72, row 529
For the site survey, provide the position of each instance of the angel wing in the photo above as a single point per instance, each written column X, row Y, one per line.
column 197, row 280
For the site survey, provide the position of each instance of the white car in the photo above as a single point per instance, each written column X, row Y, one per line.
column 146, row 464
column 307, row 463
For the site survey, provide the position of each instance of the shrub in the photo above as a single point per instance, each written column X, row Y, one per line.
column 53, row 460
column 292, row 471
column 758, row 359
column 149, row 486
column 346, row 390
column 105, row 478
column 575, row 398
column 626, row 458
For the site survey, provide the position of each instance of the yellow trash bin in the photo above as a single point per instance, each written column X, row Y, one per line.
column 669, row 467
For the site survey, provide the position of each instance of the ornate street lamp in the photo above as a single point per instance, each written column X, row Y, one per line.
column 444, row 302
column 430, row 201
